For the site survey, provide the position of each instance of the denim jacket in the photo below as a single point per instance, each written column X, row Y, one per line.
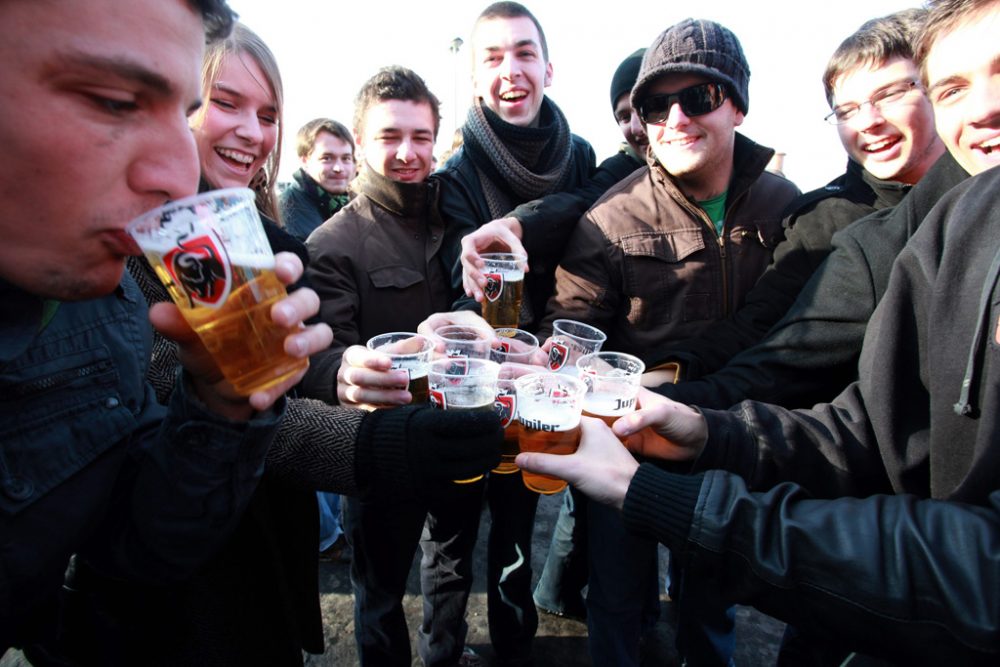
column 91, row 463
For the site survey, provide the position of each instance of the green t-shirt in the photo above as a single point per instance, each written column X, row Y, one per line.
column 49, row 308
column 716, row 210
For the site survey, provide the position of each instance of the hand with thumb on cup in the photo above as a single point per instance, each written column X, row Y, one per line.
column 602, row 467
column 416, row 451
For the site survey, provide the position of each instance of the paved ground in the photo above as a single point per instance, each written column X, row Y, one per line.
column 558, row 642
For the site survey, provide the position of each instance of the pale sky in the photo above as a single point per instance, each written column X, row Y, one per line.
column 327, row 48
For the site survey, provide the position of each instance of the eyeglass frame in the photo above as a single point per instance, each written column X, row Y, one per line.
column 675, row 98
column 900, row 88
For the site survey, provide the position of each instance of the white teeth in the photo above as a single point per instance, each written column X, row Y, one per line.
column 513, row 95
column 879, row 145
column 235, row 155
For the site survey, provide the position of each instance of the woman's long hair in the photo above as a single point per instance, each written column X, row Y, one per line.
column 244, row 41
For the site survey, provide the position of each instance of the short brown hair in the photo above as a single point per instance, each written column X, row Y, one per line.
column 874, row 44
column 943, row 17
column 394, row 83
column 305, row 140
column 513, row 10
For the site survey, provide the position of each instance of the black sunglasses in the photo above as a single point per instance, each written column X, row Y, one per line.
column 694, row 100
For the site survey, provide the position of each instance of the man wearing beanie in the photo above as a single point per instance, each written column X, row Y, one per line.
column 668, row 251
column 517, row 147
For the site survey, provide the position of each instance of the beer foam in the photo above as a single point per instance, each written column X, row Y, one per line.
column 544, row 417
column 608, row 404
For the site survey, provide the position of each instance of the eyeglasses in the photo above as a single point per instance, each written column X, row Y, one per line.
column 890, row 95
column 694, row 100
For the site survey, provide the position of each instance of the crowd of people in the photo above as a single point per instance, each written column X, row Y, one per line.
column 819, row 412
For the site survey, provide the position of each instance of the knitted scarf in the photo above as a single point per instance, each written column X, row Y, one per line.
column 327, row 203
column 517, row 164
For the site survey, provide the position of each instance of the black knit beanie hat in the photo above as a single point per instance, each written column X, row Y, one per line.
column 625, row 76
column 701, row 47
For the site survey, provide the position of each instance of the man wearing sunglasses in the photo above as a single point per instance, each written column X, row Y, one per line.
column 667, row 252
column 886, row 125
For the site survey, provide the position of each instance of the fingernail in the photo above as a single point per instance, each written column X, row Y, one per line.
column 283, row 312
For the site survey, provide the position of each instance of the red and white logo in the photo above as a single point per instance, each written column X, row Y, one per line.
column 494, row 286
column 436, row 397
column 200, row 267
column 505, row 406
column 558, row 356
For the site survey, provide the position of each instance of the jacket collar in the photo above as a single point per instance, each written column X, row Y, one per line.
column 408, row 200
column 887, row 193
column 749, row 161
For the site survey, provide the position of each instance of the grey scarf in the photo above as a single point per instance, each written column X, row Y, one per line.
column 517, row 164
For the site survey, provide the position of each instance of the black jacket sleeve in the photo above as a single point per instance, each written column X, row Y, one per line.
column 547, row 223
column 916, row 581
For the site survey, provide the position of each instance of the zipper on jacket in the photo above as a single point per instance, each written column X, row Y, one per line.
column 722, row 251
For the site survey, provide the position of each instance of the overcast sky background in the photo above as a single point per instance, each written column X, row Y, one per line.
column 326, row 49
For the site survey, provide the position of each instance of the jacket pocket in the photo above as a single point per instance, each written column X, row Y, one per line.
column 655, row 271
column 57, row 416
column 399, row 277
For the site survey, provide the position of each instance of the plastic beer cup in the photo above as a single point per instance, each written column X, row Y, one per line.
column 211, row 253
column 612, row 380
column 463, row 341
column 506, row 407
column 515, row 345
column 570, row 341
column 410, row 352
column 463, row 384
column 548, row 407
column 504, row 288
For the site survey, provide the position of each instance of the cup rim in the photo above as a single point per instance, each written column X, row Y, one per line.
column 600, row 338
column 611, row 353
column 428, row 345
column 244, row 193
column 580, row 387
column 504, row 257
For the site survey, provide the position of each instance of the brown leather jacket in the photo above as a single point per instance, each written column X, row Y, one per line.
column 376, row 269
column 646, row 266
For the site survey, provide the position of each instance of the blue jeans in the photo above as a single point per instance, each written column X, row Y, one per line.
column 564, row 577
column 329, row 519
column 623, row 600
column 384, row 537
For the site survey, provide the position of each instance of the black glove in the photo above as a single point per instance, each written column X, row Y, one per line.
column 418, row 450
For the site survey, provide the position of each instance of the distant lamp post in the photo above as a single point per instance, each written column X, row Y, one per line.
column 456, row 45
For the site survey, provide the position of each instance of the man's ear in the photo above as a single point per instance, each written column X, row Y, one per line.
column 548, row 74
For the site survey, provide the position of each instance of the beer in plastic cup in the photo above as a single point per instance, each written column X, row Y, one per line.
column 211, row 253
column 612, row 380
column 570, row 341
column 463, row 384
column 410, row 352
column 506, row 407
column 548, row 407
column 504, row 288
